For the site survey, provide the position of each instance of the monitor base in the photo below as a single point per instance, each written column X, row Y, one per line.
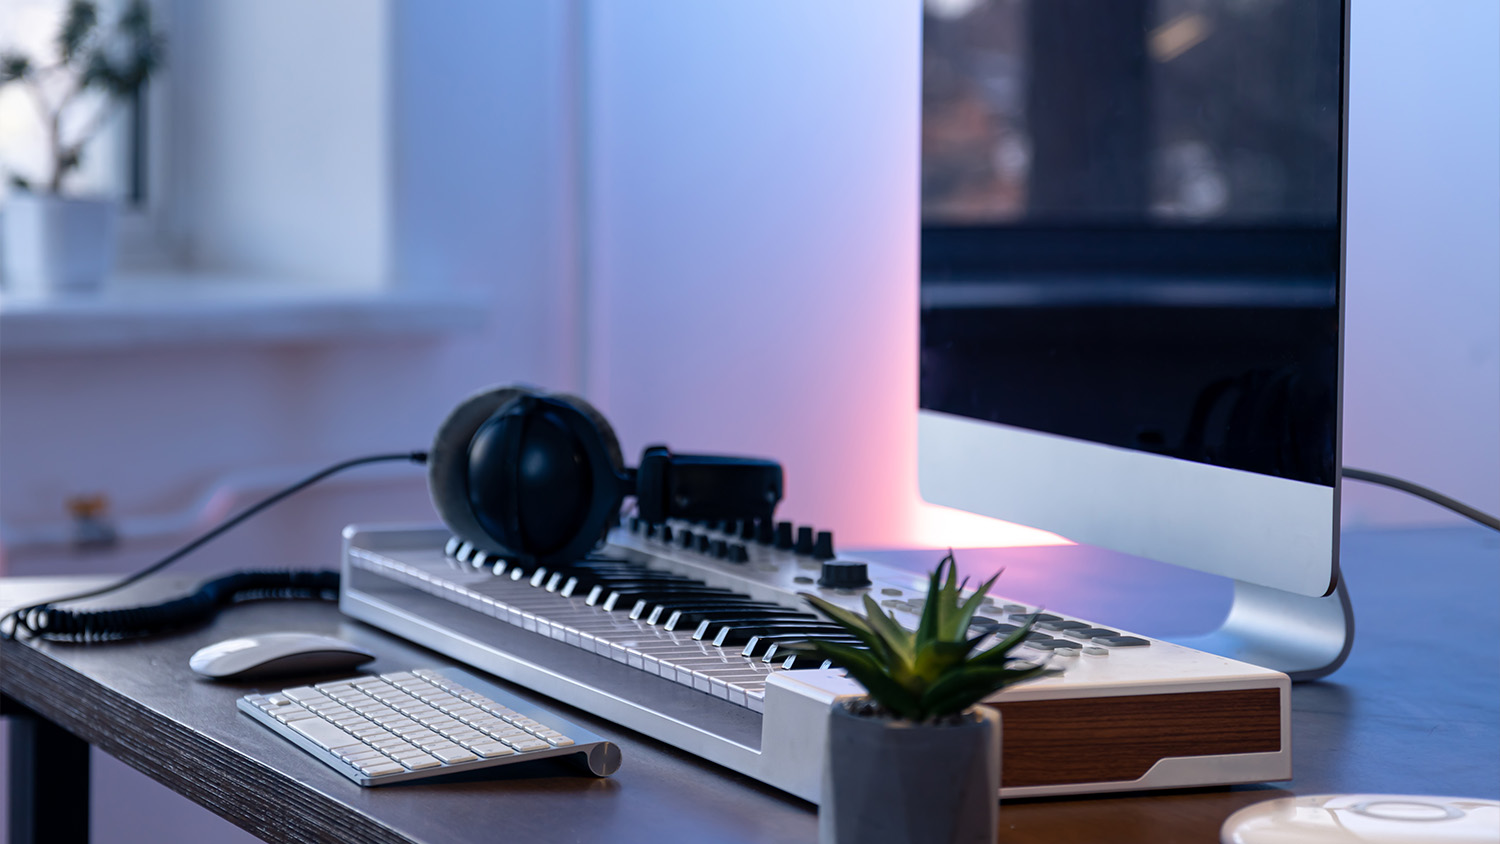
column 1304, row 638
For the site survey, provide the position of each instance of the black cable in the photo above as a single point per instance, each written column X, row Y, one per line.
column 108, row 625
column 33, row 617
column 1423, row 492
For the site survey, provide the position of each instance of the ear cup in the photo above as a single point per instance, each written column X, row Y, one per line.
column 611, row 444
column 542, row 482
column 448, row 463
column 606, row 432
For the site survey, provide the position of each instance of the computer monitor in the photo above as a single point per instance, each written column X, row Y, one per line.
column 1132, row 274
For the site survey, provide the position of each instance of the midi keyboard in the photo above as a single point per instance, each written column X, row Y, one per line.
column 678, row 631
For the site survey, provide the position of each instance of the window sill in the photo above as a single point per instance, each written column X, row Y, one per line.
column 188, row 310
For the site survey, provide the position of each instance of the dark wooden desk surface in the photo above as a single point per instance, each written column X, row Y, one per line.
column 1416, row 709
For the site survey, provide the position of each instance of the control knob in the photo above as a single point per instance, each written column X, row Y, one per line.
column 844, row 574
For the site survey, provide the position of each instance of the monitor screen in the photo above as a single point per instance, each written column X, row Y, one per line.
column 1131, row 274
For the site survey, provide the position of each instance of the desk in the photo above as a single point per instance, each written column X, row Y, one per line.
column 1415, row 709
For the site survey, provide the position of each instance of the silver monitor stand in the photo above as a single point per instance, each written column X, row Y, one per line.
column 1304, row 638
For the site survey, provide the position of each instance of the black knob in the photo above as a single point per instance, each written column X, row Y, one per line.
column 720, row 548
column 823, row 548
column 765, row 533
column 666, row 536
column 686, row 539
column 739, row 553
column 844, row 574
column 747, row 529
column 704, row 543
column 784, row 535
column 727, row 527
column 804, row 540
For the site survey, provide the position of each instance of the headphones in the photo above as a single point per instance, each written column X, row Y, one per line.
column 539, row 477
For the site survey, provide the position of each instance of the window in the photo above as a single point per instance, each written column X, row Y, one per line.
column 114, row 162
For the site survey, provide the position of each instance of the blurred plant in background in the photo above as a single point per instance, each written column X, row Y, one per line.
column 115, row 61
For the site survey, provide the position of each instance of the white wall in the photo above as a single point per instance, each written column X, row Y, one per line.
column 753, row 242
column 1422, row 345
column 281, row 137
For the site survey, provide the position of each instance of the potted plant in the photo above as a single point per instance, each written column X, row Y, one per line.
column 916, row 761
column 55, row 242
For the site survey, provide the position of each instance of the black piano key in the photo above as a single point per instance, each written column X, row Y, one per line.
column 739, row 634
column 605, row 588
column 621, row 598
column 690, row 618
column 664, row 610
column 677, row 598
column 797, row 661
column 770, row 654
column 759, row 645
column 709, row 628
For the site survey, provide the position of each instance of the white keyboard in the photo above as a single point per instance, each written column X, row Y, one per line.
column 419, row 724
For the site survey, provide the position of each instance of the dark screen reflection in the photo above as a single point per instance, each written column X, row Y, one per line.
column 1130, row 224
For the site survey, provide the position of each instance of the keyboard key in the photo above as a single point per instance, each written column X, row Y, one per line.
column 453, row 754
column 378, row 769
column 323, row 734
column 1089, row 632
column 354, row 758
column 1122, row 641
column 530, row 745
column 491, row 749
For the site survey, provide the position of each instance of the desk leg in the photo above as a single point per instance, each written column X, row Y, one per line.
column 49, row 781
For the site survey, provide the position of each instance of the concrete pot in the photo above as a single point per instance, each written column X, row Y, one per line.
column 56, row 246
column 888, row 781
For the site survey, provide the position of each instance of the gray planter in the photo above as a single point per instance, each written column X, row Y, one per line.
column 890, row 782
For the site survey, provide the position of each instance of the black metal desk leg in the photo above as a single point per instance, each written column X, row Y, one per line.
column 49, row 781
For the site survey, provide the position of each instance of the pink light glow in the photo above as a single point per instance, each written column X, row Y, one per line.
column 944, row 527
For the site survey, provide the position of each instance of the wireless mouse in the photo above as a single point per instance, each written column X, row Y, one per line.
column 1365, row 819
column 273, row 654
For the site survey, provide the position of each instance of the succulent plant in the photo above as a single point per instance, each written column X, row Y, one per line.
column 935, row 671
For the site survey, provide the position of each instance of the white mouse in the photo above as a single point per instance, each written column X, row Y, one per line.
column 1365, row 819
column 268, row 654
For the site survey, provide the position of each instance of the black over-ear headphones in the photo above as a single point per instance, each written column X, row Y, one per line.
column 539, row 477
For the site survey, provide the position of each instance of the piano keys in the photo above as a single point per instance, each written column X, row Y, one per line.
column 689, row 647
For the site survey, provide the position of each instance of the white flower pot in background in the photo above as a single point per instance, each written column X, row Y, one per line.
column 57, row 246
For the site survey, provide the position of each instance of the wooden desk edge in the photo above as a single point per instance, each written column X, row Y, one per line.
column 258, row 798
